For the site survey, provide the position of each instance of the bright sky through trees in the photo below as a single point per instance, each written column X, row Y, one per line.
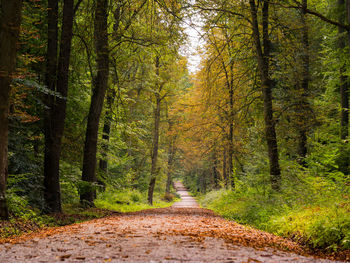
column 194, row 43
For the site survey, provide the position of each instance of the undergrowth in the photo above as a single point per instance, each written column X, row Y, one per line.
column 314, row 212
column 25, row 218
column 129, row 200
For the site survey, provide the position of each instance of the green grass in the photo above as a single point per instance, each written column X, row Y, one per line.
column 321, row 222
column 129, row 201
column 25, row 218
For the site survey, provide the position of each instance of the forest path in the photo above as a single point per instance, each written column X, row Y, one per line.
column 187, row 201
column 186, row 234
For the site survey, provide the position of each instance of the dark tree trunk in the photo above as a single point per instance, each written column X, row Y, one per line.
column 154, row 167
column 51, row 160
column 266, row 83
column 348, row 19
column 302, row 141
column 229, row 84
column 224, row 167
column 10, row 21
column 171, row 155
column 54, row 122
column 107, row 130
column 344, row 99
column 230, row 146
column 100, row 87
column 344, row 86
column 215, row 170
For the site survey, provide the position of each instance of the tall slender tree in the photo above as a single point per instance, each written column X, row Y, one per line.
column 57, row 81
column 343, row 84
column 263, row 57
column 171, row 156
column 304, row 105
column 100, row 85
column 155, row 143
column 10, row 21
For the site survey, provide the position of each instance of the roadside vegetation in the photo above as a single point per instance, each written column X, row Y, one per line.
column 311, row 209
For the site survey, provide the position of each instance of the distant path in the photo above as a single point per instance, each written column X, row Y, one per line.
column 181, row 233
column 187, row 201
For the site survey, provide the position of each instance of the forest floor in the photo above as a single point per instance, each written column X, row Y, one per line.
column 182, row 233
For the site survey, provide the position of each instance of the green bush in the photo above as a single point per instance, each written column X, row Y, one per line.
column 18, row 206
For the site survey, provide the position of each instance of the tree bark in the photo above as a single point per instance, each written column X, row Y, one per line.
column 230, row 146
column 107, row 130
column 51, row 173
column 348, row 19
column 55, row 119
column 10, row 21
column 154, row 167
column 344, row 99
column 304, row 105
column 266, row 83
column 100, row 87
column 344, row 86
column 171, row 155
column 215, row 170
column 224, row 167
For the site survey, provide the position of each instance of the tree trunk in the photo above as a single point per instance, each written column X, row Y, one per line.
column 266, row 83
column 54, row 122
column 10, row 22
column 171, row 154
column 348, row 19
column 230, row 146
column 215, row 170
column 100, row 87
column 224, row 167
column 302, row 142
column 344, row 99
column 107, row 130
column 344, row 86
column 154, row 167
column 51, row 160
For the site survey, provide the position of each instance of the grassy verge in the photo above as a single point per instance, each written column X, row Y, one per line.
column 322, row 224
column 130, row 201
column 25, row 219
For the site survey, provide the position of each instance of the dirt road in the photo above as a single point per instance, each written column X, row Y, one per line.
column 183, row 233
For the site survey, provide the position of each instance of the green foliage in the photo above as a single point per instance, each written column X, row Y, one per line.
column 19, row 206
column 314, row 210
column 128, row 200
column 323, row 227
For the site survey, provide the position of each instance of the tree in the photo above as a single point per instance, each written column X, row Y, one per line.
column 263, row 56
column 10, row 21
column 100, row 84
column 344, row 84
column 155, row 143
column 57, row 81
column 304, row 105
column 171, row 155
